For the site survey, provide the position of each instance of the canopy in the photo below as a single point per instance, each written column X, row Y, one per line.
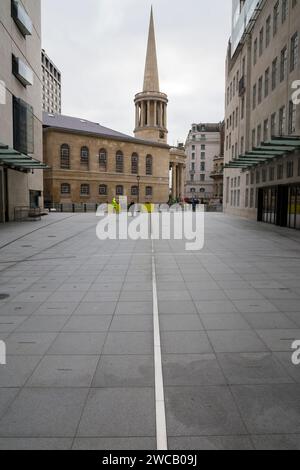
column 266, row 153
column 18, row 161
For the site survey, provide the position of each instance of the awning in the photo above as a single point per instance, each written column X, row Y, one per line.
column 268, row 152
column 18, row 161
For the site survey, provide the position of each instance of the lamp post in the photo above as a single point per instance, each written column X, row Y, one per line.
column 138, row 181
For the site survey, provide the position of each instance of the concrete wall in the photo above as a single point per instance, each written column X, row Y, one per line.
column 29, row 50
column 241, row 128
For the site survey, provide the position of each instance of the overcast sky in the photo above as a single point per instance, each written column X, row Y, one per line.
column 100, row 48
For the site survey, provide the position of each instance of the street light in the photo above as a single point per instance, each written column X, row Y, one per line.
column 138, row 180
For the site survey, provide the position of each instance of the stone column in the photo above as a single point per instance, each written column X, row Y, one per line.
column 174, row 172
column 155, row 113
column 142, row 114
column 137, row 116
column 161, row 115
column 148, row 113
column 183, row 181
column 178, row 181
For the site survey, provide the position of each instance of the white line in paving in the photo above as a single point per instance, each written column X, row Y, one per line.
column 161, row 426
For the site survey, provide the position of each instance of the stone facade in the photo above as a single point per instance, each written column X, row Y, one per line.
column 96, row 177
column 51, row 77
column 218, row 170
column 20, row 188
column 202, row 146
column 177, row 168
column 217, row 176
column 259, row 78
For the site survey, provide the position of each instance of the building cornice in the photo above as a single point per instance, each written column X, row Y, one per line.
column 131, row 140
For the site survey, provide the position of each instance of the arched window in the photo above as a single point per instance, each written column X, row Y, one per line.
column 85, row 190
column 119, row 190
column 65, row 188
column 103, row 160
column 134, row 164
column 119, row 162
column 84, row 156
column 149, row 191
column 102, row 190
column 65, row 157
column 149, row 165
column 134, row 190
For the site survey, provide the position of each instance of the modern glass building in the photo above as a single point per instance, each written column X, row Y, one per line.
column 242, row 14
column 21, row 150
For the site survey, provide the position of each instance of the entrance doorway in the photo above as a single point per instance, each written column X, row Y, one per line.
column 3, row 196
column 34, row 199
column 280, row 205
column 293, row 215
column 2, row 209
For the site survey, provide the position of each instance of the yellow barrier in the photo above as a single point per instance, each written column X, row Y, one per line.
column 116, row 206
column 295, row 210
column 149, row 207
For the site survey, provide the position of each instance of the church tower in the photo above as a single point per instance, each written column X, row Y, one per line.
column 151, row 104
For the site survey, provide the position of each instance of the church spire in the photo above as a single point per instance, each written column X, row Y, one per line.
column 151, row 80
column 151, row 105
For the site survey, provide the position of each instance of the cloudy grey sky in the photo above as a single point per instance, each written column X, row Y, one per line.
column 100, row 48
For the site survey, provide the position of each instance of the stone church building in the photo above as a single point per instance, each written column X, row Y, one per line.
column 91, row 164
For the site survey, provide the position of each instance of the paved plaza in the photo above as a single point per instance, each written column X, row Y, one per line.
column 77, row 318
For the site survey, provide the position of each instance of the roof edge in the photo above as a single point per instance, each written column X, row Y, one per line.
column 106, row 136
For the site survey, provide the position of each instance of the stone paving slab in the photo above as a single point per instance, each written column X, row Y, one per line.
column 79, row 332
column 118, row 413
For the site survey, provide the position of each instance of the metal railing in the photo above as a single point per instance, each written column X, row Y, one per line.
column 71, row 207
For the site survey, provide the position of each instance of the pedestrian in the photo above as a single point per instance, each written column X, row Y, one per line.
column 194, row 204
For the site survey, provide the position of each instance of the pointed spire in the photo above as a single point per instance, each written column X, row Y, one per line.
column 151, row 80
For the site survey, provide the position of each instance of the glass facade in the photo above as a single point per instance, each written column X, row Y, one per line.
column 22, row 71
column 280, row 205
column 270, row 205
column 294, row 207
column 21, row 18
column 242, row 13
